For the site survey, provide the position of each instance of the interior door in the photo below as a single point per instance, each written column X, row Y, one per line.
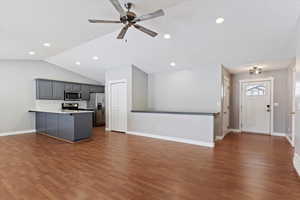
column 119, row 107
column 256, row 107
column 226, row 103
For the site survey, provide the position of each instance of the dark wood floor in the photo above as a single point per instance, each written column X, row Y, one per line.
column 118, row 166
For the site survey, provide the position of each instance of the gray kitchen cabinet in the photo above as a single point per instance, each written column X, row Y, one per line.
column 99, row 89
column 44, row 89
column 52, row 124
column 73, row 87
column 66, row 127
column 85, row 91
column 96, row 89
column 68, row 87
column 55, row 90
column 83, row 124
column 76, row 87
column 58, row 90
column 41, row 122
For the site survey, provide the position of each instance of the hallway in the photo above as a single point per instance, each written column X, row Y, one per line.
column 121, row 167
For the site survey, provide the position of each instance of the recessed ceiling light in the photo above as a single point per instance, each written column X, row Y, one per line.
column 95, row 58
column 77, row 63
column 167, row 36
column 31, row 53
column 220, row 20
column 47, row 44
column 173, row 64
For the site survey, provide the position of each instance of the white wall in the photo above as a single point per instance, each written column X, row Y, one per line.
column 297, row 121
column 280, row 97
column 18, row 91
column 139, row 89
column 197, row 128
column 195, row 90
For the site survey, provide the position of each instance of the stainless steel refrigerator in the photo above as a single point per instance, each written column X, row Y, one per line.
column 97, row 103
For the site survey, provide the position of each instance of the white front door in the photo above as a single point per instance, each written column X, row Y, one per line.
column 118, row 104
column 226, row 101
column 256, row 107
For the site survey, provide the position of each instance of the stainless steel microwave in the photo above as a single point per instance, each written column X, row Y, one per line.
column 73, row 96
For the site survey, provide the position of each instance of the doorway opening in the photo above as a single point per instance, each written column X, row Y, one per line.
column 256, row 106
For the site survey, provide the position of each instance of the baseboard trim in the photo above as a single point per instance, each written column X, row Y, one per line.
column 290, row 141
column 278, row 134
column 297, row 163
column 107, row 129
column 174, row 139
column 219, row 137
column 18, row 132
column 235, row 130
column 222, row 137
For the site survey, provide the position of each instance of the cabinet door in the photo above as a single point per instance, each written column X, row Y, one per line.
column 66, row 127
column 69, row 87
column 40, row 119
column 99, row 89
column 52, row 124
column 44, row 89
column 92, row 88
column 58, row 90
column 85, row 91
column 76, row 87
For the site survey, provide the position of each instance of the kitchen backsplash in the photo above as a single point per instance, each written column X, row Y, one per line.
column 56, row 104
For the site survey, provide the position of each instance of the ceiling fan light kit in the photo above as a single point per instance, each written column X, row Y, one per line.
column 129, row 19
column 255, row 70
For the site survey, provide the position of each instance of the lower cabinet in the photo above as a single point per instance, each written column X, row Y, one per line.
column 52, row 124
column 72, row 127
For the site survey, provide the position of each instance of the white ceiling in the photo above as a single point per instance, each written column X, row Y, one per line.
column 265, row 65
column 254, row 31
column 25, row 25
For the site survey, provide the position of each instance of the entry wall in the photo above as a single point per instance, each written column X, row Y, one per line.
column 280, row 97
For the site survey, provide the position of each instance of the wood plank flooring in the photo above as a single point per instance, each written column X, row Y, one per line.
column 116, row 166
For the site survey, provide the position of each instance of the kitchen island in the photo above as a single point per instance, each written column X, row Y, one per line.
column 68, row 125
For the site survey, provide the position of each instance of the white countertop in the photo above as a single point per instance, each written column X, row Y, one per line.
column 60, row 111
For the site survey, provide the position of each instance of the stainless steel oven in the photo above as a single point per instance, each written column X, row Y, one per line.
column 73, row 96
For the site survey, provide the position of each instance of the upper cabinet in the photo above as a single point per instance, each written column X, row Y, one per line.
column 58, row 90
column 85, row 92
column 72, row 87
column 44, row 89
column 55, row 90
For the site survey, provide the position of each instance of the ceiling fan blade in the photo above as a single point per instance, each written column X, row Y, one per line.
column 103, row 21
column 118, row 7
column 150, row 16
column 145, row 30
column 123, row 32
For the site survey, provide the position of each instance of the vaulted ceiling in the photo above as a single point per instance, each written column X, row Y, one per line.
column 254, row 31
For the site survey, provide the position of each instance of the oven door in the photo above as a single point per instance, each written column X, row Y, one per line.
column 72, row 96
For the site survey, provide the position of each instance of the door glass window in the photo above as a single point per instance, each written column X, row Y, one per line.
column 255, row 90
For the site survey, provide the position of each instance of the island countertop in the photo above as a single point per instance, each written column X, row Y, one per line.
column 60, row 111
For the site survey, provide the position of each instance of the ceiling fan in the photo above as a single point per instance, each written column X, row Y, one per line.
column 129, row 19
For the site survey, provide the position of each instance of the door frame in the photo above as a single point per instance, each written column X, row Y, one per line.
column 223, row 102
column 293, row 118
column 110, row 83
column 271, row 79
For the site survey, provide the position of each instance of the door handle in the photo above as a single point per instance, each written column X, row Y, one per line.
column 293, row 113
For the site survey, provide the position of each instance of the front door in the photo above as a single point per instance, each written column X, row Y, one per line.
column 256, row 107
